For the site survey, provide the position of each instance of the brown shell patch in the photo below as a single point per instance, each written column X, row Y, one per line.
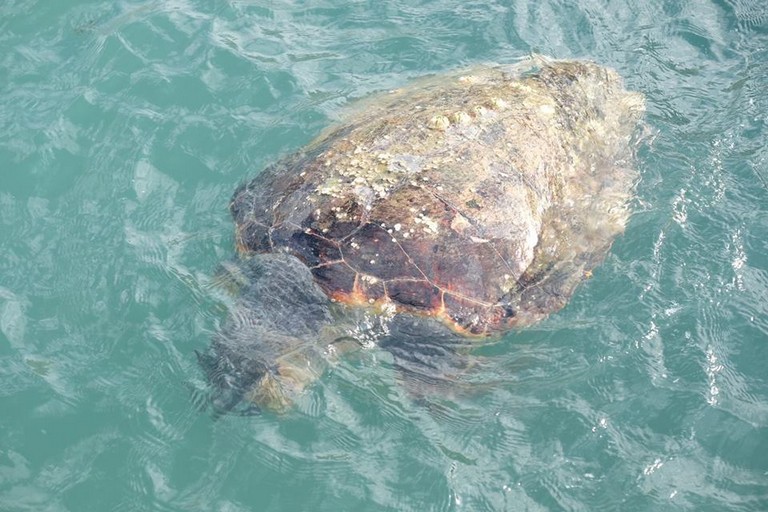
column 451, row 197
column 337, row 279
column 371, row 287
column 338, row 221
column 371, row 251
column 310, row 248
column 252, row 236
column 467, row 314
column 417, row 294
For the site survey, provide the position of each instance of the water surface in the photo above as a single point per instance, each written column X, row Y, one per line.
column 124, row 129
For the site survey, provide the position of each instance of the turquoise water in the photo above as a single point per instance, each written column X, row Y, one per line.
column 124, row 129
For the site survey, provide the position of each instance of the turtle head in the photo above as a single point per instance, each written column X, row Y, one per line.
column 270, row 347
column 229, row 382
column 247, row 385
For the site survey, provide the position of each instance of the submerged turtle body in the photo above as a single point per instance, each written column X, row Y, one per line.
column 481, row 198
column 459, row 206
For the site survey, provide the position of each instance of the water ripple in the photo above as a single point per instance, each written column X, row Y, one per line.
column 127, row 125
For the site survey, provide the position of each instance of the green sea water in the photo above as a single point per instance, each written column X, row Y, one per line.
column 126, row 126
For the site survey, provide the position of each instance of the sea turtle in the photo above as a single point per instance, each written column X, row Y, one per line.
column 455, row 208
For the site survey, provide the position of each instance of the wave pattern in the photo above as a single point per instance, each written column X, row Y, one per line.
column 125, row 128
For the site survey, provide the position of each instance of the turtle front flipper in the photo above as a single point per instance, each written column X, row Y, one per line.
column 431, row 357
